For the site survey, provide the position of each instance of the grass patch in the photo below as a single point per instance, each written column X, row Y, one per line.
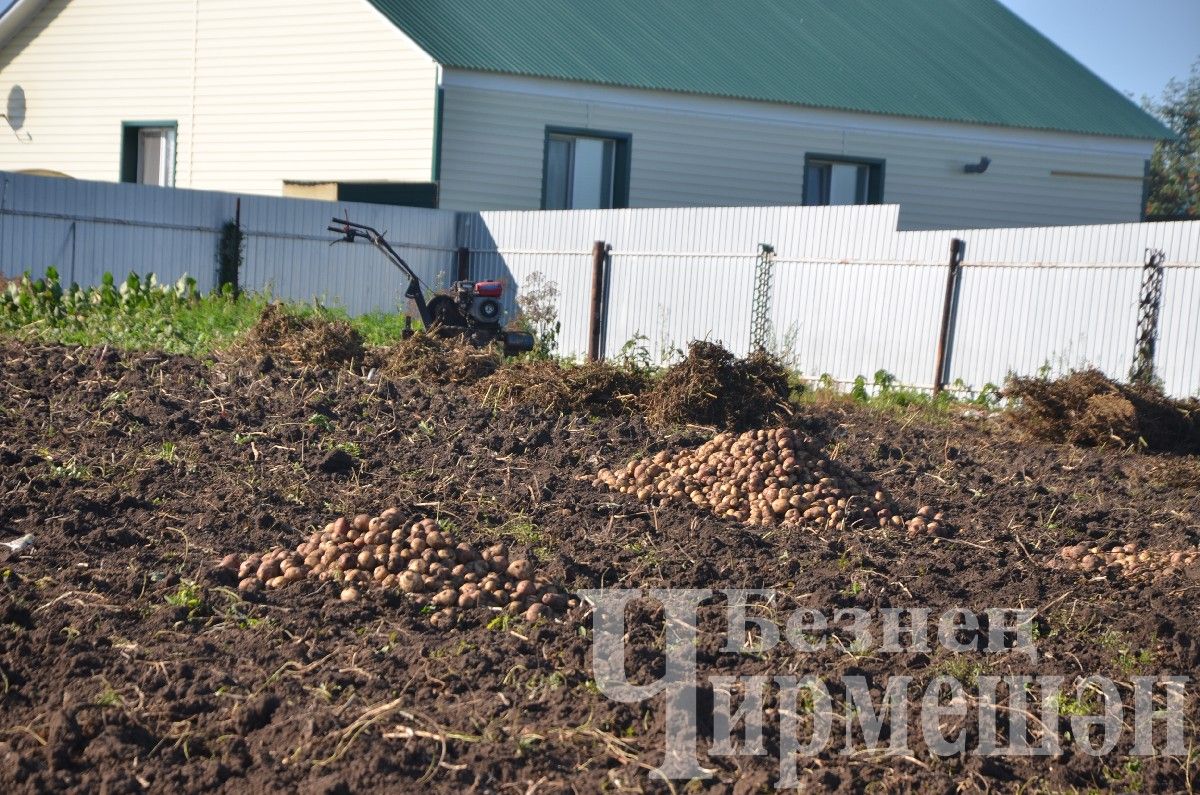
column 884, row 394
column 141, row 313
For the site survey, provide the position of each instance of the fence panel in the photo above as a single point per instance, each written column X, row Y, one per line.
column 1177, row 361
column 851, row 295
column 671, row 300
column 850, row 319
column 288, row 252
column 87, row 228
column 1048, row 319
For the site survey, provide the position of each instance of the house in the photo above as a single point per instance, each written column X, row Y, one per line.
column 957, row 111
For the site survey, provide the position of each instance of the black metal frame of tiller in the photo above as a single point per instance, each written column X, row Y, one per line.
column 480, row 335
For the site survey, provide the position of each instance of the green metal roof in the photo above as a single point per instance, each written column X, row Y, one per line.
column 958, row 60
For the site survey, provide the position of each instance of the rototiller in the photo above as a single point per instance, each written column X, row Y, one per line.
column 471, row 310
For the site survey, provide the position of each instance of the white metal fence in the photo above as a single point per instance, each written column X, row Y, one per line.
column 850, row 294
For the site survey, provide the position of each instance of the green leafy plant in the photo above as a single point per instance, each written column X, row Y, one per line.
column 190, row 596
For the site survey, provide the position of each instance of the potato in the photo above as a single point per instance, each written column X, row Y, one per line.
column 520, row 569
column 410, row 582
column 350, row 594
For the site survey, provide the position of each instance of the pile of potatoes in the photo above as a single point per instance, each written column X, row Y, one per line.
column 424, row 562
column 767, row 477
column 1127, row 560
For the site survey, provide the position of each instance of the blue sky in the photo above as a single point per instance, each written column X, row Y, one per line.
column 1135, row 45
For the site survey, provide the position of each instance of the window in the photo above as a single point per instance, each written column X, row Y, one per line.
column 148, row 153
column 585, row 170
column 840, row 180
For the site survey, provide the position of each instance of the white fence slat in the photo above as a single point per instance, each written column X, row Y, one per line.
column 851, row 294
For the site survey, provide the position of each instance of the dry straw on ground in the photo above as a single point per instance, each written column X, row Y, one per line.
column 302, row 340
column 441, row 360
column 598, row 388
column 1088, row 408
column 711, row 386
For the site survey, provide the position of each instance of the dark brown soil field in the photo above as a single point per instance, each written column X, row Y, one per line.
column 131, row 662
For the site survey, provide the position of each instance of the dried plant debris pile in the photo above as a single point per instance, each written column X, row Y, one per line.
column 1088, row 408
column 1127, row 560
column 424, row 562
column 440, row 360
column 713, row 387
column 598, row 388
column 766, row 477
column 305, row 341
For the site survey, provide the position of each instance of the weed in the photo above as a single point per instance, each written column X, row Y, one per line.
column 500, row 623
column 189, row 595
column 321, row 422
column 521, row 529
column 1066, row 704
column 1131, row 662
column 350, row 448
column 166, row 452
column 109, row 698
column 68, row 470
column 962, row 669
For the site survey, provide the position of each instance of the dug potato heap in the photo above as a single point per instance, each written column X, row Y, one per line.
column 424, row 562
column 1128, row 560
column 766, row 477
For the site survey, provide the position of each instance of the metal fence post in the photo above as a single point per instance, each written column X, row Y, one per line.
column 760, row 309
column 1149, row 304
column 957, row 251
column 599, row 312
column 464, row 264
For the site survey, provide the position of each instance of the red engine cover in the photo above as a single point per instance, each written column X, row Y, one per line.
column 489, row 289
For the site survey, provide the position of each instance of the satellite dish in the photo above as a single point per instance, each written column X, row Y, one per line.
column 15, row 109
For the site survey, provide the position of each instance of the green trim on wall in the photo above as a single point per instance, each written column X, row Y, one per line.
column 129, row 144
column 439, row 103
column 622, row 164
column 1142, row 215
column 874, row 186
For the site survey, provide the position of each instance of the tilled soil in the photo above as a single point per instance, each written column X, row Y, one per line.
column 131, row 663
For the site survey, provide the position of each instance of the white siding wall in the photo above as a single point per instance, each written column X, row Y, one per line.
column 697, row 151
column 263, row 91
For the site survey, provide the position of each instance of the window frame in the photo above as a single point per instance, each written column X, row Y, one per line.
column 130, row 141
column 876, row 168
column 622, row 159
